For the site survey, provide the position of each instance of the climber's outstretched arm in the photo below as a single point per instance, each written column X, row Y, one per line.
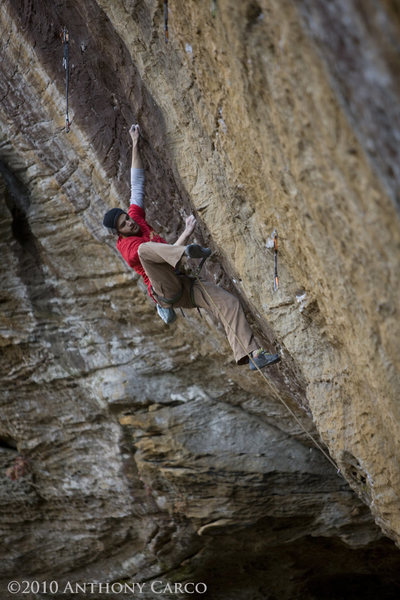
column 137, row 172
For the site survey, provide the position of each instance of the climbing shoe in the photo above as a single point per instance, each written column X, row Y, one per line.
column 196, row 251
column 168, row 315
column 192, row 251
column 262, row 359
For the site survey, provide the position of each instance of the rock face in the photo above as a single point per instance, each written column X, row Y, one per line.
column 133, row 451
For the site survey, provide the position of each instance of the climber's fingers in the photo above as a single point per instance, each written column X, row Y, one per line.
column 134, row 132
column 190, row 223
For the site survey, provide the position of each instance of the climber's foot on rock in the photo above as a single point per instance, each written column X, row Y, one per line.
column 196, row 251
column 261, row 359
column 185, row 267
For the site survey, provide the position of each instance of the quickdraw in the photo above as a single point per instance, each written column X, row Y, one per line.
column 166, row 20
column 66, row 67
column 276, row 278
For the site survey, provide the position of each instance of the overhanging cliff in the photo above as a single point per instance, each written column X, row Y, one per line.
column 146, row 450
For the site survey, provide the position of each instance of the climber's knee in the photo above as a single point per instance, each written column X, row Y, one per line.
column 143, row 250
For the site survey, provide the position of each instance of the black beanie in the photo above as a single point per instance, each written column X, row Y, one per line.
column 111, row 218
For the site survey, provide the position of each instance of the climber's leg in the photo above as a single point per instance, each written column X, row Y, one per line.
column 158, row 260
column 229, row 312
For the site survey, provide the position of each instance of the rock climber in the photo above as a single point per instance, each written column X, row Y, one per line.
column 166, row 269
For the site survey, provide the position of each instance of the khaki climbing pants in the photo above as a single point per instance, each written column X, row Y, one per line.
column 157, row 260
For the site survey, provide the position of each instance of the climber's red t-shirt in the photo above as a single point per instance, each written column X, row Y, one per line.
column 128, row 246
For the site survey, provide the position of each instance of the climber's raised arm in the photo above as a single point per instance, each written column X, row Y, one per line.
column 137, row 172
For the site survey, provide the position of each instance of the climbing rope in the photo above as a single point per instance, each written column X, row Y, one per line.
column 273, row 389
column 66, row 67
